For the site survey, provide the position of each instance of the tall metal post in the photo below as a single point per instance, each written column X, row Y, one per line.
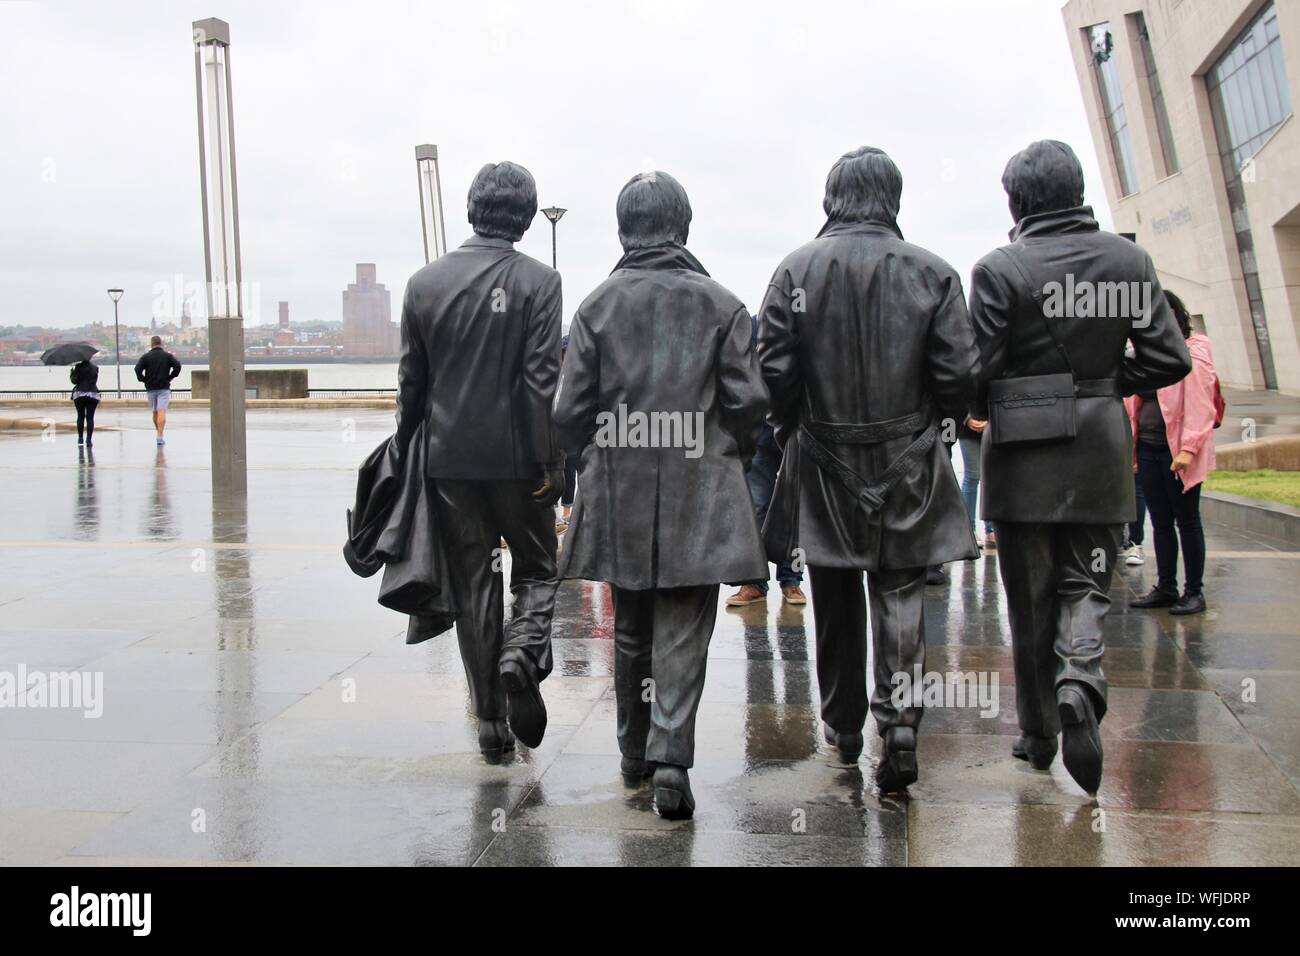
column 220, row 196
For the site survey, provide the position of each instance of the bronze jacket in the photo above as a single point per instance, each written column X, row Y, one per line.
column 860, row 327
column 661, row 396
column 1087, row 479
column 479, row 362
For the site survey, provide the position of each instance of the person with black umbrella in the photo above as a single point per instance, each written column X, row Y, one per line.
column 85, row 383
column 85, row 396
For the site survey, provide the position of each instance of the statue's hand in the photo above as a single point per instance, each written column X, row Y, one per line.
column 552, row 486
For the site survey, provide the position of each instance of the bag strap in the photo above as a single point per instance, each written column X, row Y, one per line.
column 1036, row 295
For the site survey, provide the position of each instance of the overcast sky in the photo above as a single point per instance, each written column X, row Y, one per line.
column 747, row 104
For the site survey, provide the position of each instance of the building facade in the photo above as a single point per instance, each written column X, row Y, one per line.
column 368, row 327
column 1190, row 105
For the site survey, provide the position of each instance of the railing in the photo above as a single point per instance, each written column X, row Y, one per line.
column 62, row 394
column 57, row 394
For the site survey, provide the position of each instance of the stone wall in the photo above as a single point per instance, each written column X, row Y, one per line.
column 279, row 383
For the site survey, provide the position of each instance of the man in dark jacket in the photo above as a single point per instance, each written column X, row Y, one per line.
column 156, row 369
column 1057, row 507
column 865, row 346
column 661, row 396
column 480, row 358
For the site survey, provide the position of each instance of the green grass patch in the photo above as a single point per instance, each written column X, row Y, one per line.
column 1265, row 484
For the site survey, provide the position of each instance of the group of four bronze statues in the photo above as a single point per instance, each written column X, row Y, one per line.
column 865, row 345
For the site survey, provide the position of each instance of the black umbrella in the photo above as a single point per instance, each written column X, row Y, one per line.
column 69, row 353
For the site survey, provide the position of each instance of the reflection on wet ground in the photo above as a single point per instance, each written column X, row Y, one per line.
column 259, row 706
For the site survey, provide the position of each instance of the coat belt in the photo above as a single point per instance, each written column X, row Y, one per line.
column 871, row 433
column 870, row 494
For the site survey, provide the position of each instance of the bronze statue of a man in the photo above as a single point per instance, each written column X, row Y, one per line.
column 661, row 397
column 866, row 346
column 479, row 363
column 1057, row 457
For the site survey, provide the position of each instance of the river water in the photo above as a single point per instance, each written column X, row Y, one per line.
column 341, row 375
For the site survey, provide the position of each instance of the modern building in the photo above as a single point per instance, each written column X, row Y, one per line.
column 1190, row 105
column 368, row 327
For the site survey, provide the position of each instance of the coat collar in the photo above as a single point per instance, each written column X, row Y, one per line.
column 668, row 255
column 863, row 227
column 481, row 242
column 1056, row 223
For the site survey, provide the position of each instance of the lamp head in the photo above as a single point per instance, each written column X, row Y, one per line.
column 115, row 294
column 553, row 213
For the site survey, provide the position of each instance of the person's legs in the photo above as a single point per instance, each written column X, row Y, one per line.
column 683, row 620
column 80, row 405
column 1026, row 565
column 91, row 405
column 897, row 641
column 761, row 479
column 472, row 545
column 840, row 612
column 970, row 474
column 1137, row 528
column 570, row 484
column 1153, row 472
column 633, row 687
column 1191, row 535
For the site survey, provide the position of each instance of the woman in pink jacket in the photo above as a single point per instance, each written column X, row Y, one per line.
column 1173, row 430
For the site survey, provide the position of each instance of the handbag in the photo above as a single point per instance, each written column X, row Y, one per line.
column 1033, row 409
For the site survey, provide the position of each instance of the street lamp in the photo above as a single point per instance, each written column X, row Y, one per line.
column 553, row 213
column 220, row 196
column 431, row 221
column 116, row 294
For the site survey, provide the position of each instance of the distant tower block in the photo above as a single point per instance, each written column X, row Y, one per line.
column 368, row 327
column 284, row 315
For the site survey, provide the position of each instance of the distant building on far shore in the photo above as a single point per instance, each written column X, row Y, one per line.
column 284, row 335
column 368, row 327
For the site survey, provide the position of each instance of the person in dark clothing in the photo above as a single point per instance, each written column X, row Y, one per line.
column 85, row 396
column 761, row 478
column 866, row 347
column 661, row 348
column 157, row 368
column 1057, row 506
column 570, row 469
column 480, row 356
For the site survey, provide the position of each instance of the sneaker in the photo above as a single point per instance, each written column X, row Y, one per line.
column 561, row 526
column 748, row 594
column 161, row 440
column 793, row 595
column 1134, row 557
column 935, row 574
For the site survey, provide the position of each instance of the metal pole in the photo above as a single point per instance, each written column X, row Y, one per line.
column 117, row 347
column 553, row 260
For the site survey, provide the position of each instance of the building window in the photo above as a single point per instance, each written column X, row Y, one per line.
column 1249, row 98
column 1157, row 93
column 1101, row 47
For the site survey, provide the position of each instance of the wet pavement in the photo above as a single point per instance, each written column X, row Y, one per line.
column 259, row 707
